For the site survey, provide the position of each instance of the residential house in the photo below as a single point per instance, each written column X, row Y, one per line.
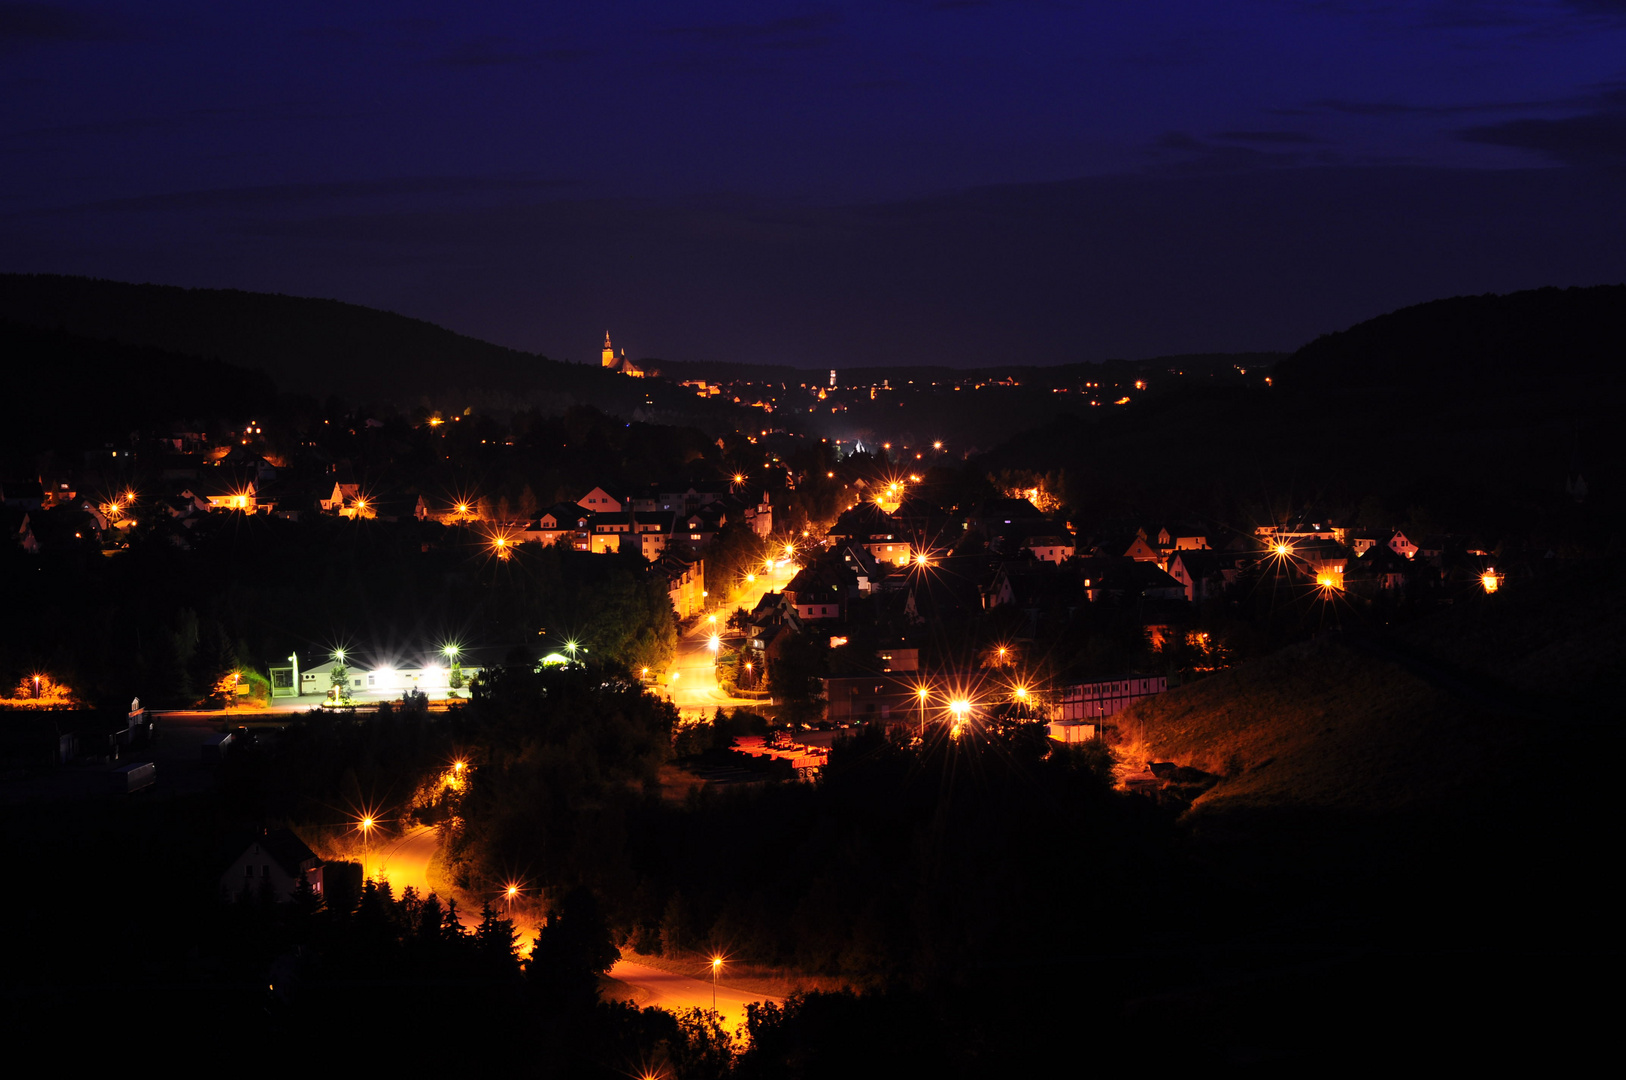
column 1182, row 538
column 271, row 865
column 1053, row 549
column 819, row 592
column 1379, row 571
column 219, row 490
column 866, row 570
column 600, row 501
column 1107, row 697
column 1204, row 573
column 1141, row 550
column 685, row 577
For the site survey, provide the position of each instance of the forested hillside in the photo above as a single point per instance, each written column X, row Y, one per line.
column 322, row 347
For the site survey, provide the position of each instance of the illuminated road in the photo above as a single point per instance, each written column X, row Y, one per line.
column 673, row 992
column 404, row 862
column 695, row 691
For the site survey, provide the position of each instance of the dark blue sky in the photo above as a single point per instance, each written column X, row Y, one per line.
column 826, row 183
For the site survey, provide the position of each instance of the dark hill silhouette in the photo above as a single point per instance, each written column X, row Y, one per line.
column 323, row 347
column 1472, row 343
column 1468, row 414
column 80, row 390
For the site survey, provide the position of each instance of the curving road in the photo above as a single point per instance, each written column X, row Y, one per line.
column 692, row 686
column 405, row 861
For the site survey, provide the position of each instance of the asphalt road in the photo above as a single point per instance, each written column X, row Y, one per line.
column 404, row 861
column 694, row 690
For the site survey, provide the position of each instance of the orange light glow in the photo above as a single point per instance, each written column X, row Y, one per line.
column 1489, row 581
column 1282, row 551
column 739, row 478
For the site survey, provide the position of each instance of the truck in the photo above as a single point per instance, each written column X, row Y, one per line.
column 214, row 747
column 131, row 778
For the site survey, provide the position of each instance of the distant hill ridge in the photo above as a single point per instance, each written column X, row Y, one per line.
column 1468, row 341
column 323, row 347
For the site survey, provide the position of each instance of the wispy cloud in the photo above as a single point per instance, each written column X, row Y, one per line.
column 1276, row 137
column 1593, row 138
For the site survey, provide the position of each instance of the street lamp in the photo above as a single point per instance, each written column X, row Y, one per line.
column 959, row 708
column 366, row 826
column 716, row 966
column 921, row 693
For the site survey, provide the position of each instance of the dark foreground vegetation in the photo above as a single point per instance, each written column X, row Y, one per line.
column 1396, row 858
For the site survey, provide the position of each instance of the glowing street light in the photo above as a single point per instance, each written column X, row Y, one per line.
column 1489, row 581
column 958, row 708
column 366, row 825
column 922, row 693
column 716, row 968
column 714, row 643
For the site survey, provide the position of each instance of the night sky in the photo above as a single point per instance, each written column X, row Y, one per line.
column 826, row 184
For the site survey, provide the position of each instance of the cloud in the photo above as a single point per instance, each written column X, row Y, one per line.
column 1281, row 137
column 1179, row 152
column 1589, row 139
column 23, row 22
column 1401, row 108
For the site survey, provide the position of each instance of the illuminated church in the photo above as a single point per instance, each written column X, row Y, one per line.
column 619, row 363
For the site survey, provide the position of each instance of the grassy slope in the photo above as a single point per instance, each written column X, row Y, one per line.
column 1434, row 787
column 1322, row 725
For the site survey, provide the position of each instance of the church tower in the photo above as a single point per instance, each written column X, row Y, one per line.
column 609, row 352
